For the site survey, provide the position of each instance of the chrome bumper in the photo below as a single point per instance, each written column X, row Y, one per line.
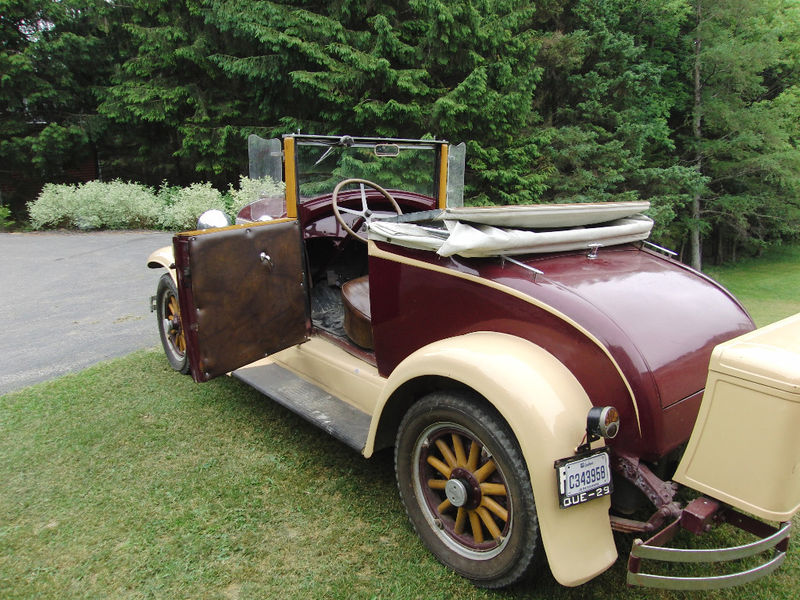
column 697, row 517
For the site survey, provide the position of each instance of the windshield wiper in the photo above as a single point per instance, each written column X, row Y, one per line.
column 344, row 142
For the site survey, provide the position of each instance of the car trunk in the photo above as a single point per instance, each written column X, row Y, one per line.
column 671, row 315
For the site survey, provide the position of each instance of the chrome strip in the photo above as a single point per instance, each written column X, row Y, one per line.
column 534, row 270
column 711, row 554
column 658, row 248
column 706, row 583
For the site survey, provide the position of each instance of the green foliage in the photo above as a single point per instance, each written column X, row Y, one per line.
column 747, row 135
column 578, row 100
column 170, row 96
column 460, row 70
column 182, row 206
column 53, row 58
column 120, row 205
column 5, row 218
column 606, row 105
column 251, row 190
column 95, row 205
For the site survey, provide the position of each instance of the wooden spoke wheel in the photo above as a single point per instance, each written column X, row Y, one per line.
column 466, row 489
column 459, row 482
column 170, row 327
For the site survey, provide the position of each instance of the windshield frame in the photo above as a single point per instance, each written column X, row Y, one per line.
column 291, row 141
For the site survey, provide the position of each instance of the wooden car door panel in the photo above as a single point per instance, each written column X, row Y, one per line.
column 243, row 294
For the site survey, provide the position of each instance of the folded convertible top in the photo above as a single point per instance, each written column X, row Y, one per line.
column 513, row 230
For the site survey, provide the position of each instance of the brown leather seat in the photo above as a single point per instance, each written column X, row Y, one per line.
column 355, row 294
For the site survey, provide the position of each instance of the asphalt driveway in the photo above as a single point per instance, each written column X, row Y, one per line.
column 70, row 300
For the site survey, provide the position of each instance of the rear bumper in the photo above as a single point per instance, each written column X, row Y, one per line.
column 697, row 517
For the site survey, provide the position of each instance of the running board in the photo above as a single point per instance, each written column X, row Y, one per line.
column 335, row 416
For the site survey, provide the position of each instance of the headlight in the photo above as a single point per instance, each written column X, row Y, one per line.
column 213, row 218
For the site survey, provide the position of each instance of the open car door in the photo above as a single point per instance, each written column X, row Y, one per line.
column 242, row 292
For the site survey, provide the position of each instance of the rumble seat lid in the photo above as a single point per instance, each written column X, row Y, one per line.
column 769, row 356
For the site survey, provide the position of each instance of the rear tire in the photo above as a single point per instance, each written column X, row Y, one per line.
column 170, row 326
column 466, row 489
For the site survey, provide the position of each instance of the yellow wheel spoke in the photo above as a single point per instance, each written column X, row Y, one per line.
column 437, row 484
column 439, row 466
column 493, row 489
column 495, row 508
column 447, row 454
column 484, row 472
column 475, row 524
column 461, row 518
column 488, row 521
column 443, row 506
column 461, row 457
column 474, row 454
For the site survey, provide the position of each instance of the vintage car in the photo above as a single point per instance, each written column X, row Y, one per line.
column 542, row 372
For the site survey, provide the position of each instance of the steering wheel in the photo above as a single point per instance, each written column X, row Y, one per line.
column 365, row 213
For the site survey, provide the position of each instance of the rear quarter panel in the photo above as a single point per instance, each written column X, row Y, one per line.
column 587, row 314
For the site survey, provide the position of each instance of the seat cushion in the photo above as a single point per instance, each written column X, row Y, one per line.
column 355, row 294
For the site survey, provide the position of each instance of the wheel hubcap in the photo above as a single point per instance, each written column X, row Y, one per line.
column 456, row 492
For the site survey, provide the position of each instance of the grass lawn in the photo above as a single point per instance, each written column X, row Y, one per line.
column 769, row 286
column 130, row 481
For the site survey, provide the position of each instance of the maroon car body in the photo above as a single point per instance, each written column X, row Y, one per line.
column 652, row 370
column 478, row 368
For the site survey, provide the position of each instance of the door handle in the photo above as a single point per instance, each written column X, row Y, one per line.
column 266, row 260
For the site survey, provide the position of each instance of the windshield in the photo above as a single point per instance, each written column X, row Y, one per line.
column 408, row 165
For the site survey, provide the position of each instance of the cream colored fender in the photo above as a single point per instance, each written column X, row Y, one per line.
column 546, row 408
column 163, row 257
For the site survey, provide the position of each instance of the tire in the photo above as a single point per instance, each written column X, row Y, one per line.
column 466, row 489
column 170, row 327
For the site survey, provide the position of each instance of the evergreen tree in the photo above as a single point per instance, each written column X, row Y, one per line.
column 607, row 95
column 460, row 70
column 53, row 57
column 744, row 134
column 691, row 104
column 176, row 113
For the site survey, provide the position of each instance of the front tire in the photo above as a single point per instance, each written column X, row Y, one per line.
column 466, row 488
column 170, row 326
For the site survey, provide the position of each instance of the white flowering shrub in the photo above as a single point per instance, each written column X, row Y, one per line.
column 53, row 207
column 182, row 206
column 120, row 205
column 251, row 190
column 95, row 205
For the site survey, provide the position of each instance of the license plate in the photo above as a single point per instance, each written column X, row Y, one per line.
column 583, row 478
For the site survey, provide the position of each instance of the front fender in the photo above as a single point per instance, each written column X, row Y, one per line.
column 163, row 257
column 546, row 409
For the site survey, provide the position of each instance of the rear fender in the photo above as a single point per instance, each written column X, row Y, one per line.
column 164, row 258
column 546, row 409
